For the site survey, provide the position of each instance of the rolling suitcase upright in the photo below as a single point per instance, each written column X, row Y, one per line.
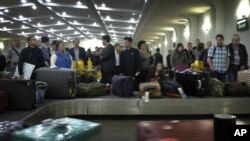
column 122, row 85
column 61, row 82
column 21, row 93
column 194, row 83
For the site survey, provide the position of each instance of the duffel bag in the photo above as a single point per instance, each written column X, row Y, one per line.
column 216, row 88
column 154, row 89
column 92, row 89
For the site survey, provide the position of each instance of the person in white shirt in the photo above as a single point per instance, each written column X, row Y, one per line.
column 118, row 50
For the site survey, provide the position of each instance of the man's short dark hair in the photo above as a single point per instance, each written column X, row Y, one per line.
column 140, row 43
column 158, row 50
column 54, row 42
column 128, row 39
column 75, row 40
column 117, row 45
column 29, row 38
column 106, row 37
column 44, row 39
column 219, row 36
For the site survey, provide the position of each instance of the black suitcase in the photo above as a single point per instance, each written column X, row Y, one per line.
column 61, row 82
column 22, row 93
column 194, row 83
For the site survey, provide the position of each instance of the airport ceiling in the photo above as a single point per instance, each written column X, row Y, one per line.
column 69, row 19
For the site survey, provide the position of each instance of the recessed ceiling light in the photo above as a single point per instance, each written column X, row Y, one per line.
column 49, row 7
column 11, row 22
column 51, row 18
column 103, row 5
column 88, row 15
column 23, row 33
column 81, row 36
column 30, row 20
column 23, row 26
column 64, row 14
column 38, row 31
column 75, row 22
column 23, row 1
column 102, row 33
column 48, row 1
column 133, row 13
column 108, row 17
column 20, row 17
column 111, row 25
column 59, row 22
column 132, row 19
column 38, row 24
column 94, row 24
column 130, row 27
column 112, row 30
column 4, row 28
column 98, row 12
column 1, row 19
column 34, row 7
column 76, row 32
column 6, row 10
column 78, row 3
column 87, row 32
column 51, row 29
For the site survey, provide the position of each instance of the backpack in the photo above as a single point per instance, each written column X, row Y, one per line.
column 215, row 51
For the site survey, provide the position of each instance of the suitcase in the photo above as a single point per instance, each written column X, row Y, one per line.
column 184, row 130
column 21, row 93
column 170, row 89
column 8, row 127
column 3, row 101
column 153, row 88
column 237, row 89
column 122, row 85
column 193, row 83
column 61, row 82
column 216, row 87
column 92, row 89
column 63, row 129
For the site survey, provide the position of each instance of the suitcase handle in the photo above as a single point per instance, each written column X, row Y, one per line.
column 199, row 84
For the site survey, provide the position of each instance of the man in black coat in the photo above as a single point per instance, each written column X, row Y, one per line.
column 77, row 52
column 129, row 59
column 238, row 58
column 107, row 58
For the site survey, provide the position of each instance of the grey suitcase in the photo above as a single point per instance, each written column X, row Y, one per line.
column 61, row 82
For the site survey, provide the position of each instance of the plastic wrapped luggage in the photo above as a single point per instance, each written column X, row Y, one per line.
column 61, row 82
column 153, row 88
column 8, row 127
column 3, row 100
column 193, row 83
column 244, row 76
column 21, row 93
column 63, row 129
column 216, row 88
column 92, row 89
column 122, row 85
column 237, row 89
column 186, row 130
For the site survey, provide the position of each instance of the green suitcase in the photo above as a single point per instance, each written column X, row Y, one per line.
column 92, row 89
column 216, row 87
column 63, row 129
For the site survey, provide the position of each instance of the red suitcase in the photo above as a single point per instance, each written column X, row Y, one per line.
column 186, row 130
column 3, row 101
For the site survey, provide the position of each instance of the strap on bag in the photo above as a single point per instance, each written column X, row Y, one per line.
column 16, row 51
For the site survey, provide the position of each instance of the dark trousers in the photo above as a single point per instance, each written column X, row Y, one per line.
column 117, row 70
column 233, row 72
column 220, row 76
column 107, row 77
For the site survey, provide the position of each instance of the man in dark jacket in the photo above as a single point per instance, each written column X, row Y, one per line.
column 32, row 55
column 107, row 60
column 129, row 59
column 77, row 52
column 238, row 58
column 158, row 57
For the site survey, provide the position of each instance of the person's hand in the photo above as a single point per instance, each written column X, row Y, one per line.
column 21, row 77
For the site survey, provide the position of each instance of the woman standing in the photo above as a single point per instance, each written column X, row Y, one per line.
column 144, row 61
column 61, row 59
column 179, row 60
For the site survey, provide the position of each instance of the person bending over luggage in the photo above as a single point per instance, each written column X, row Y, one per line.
column 62, row 58
column 156, row 74
column 32, row 55
column 179, row 60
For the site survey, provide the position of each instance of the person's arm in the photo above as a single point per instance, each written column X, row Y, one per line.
column 53, row 61
column 209, row 58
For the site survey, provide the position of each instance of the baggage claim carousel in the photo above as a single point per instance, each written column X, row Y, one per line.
column 119, row 116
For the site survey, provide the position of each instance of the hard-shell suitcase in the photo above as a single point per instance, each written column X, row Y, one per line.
column 186, row 130
column 91, row 89
column 194, row 83
column 122, row 85
column 8, row 127
column 61, row 82
column 21, row 93
column 3, row 101
column 216, row 87
column 63, row 129
column 154, row 89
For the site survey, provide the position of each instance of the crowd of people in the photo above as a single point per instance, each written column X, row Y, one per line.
column 220, row 59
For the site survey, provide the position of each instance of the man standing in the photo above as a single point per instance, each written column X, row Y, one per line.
column 107, row 60
column 13, row 55
column 197, row 41
column 129, row 59
column 168, row 59
column 218, row 59
column 32, row 55
column 204, row 55
column 45, row 49
column 118, row 50
column 238, row 58
column 158, row 57
column 190, row 54
column 77, row 52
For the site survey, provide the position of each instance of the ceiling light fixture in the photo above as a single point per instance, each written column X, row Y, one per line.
column 20, row 17
column 108, row 17
column 130, row 27
column 132, row 19
column 34, row 7
column 23, row 1
column 6, row 10
column 38, row 24
column 49, row 8
column 75, row 22
column 111, row 25
column 87, row 32
column 89, row 16
column 1, row 19
column 103, row 5
column 48, row 1
column 94, row 24
column 4, row 28
column 102, row 33
column 38, row 31
column 11, row 22
column 64, row 14
column 78, row 3
column 76, row 32
column 51, row 29
column 59, row 22
column 133, row 13
column 23, row 26
column 51, row 18
column 30, row 20
column 98, row 12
